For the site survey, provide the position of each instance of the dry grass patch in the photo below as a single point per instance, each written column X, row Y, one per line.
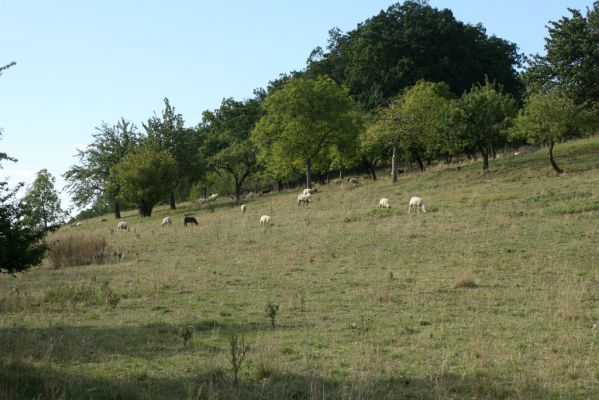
column 73, row 250
column 466, row 280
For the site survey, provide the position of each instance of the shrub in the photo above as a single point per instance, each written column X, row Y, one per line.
column 77, row 250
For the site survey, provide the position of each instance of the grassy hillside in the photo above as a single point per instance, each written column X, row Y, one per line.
column 491, row 294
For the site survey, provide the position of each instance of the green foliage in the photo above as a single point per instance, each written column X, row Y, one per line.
column 146, row 177
column 302, row 120
column 570, row 62
column 167, row 133
column 409, row 42
column 482, row 117
column 91, row 182
column 42, row 203
column 227, row 144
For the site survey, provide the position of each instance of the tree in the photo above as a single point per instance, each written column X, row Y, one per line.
column 482, row 117
column 547, row 118
column 572, row 59
column 42, row 203
column 21, row 245
column 227, row 134
column 302, row 119
column 91, row 182
column 168, row 133
column 409, row 42
column 145, row 178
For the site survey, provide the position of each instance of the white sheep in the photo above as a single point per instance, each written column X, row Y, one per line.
column 202, row 200
column 417, row 202
column 123, row 226
column 353, row 181
column 244, row 208
column 384, row 203
column 265, row 220
column 167, row 221
column 308, row 191
column 212, row 197
column 304, row 198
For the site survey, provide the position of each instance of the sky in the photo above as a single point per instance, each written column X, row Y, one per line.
column 81, row 63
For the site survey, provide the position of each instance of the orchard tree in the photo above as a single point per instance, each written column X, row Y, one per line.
column 303, row 119
column 571, row 62
column 91, row 181
column 43, row 203
column 482, row 117
column 227, row 133
column 546, row 119
column 167, row 133
column 145, row 178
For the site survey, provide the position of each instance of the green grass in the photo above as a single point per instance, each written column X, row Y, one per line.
column 491, row 294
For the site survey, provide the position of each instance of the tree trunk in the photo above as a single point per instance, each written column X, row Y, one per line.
column 171, row 200
column 279, row 185
column 145, row 209
column 484, row 150
column 117, row 210
column 557, row 169
column 420, row 164
column 493, row 151
column 373, row 172
column 394, row 165
column 237, row 191
column 308, row 173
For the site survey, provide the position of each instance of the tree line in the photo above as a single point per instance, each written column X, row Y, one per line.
column 411, row 84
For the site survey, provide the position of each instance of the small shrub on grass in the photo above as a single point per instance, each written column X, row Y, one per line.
column 584, row 206
column 77, row 250
column 186, row 335
column 238, row 350
column 272, row 310
column 110, row 298
column 466, row 280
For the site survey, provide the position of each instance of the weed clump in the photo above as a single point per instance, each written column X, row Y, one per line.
column 467, row 280
column 77, row 250
column 272, row 310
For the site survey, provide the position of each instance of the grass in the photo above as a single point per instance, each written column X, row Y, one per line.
column 491, row 294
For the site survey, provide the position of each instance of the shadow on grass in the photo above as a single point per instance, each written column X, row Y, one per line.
column 20, row 380
column 89, row 344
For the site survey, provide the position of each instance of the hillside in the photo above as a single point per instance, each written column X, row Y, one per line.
column 493, row 293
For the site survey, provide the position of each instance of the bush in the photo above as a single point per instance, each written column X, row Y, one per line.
column 77, row 250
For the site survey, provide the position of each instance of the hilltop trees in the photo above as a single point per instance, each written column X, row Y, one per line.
column 91, row 182
column 571, row 63
column 409, row 42
column 303, row 119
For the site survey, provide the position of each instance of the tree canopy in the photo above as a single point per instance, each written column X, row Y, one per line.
column 409, row 42
column 43, row 203
column 303, row 119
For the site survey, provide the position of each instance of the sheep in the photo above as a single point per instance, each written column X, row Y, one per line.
column 167, row 221
column 266, row 191
column 201, row 200
column 310, row 191
column 78, row 224
column 353, row 181
column 384, row 203
column 212, row 197
column 244, row 208
column 188, row 220
column 304, row 198
column 417, row 202
column 104, row 220
column 265, row 220
column 123, row 226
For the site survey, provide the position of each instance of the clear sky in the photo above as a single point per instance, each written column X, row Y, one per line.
column 80, row 62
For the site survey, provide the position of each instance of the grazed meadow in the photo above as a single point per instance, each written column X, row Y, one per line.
column 491, row 294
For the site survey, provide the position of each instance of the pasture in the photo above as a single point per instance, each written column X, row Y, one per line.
column 493, row 293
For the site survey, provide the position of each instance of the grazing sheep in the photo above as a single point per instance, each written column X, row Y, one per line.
column 304, row 198
column 201, row 200
column 417, row 202
column 78, row 224
column 265, row 220
column 384, row 203
column 123, row 226
column 308, row 191
column 244, row 208
column 212, row 197
column 167, row 221
column 187, row 220
column 353, row 181
column 266, row 191
column 104, row 220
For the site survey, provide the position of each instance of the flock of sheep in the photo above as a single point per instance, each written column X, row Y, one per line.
column 304, row 198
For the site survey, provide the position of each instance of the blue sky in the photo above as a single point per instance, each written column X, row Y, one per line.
column 80, row 63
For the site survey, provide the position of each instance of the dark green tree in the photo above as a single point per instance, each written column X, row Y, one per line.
column 227, row 132
column 571, row 62
column 302, row 120
column 409, row 42
column 168, row 133
column 90, row 182
column 145, row 177
column 43, row 203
